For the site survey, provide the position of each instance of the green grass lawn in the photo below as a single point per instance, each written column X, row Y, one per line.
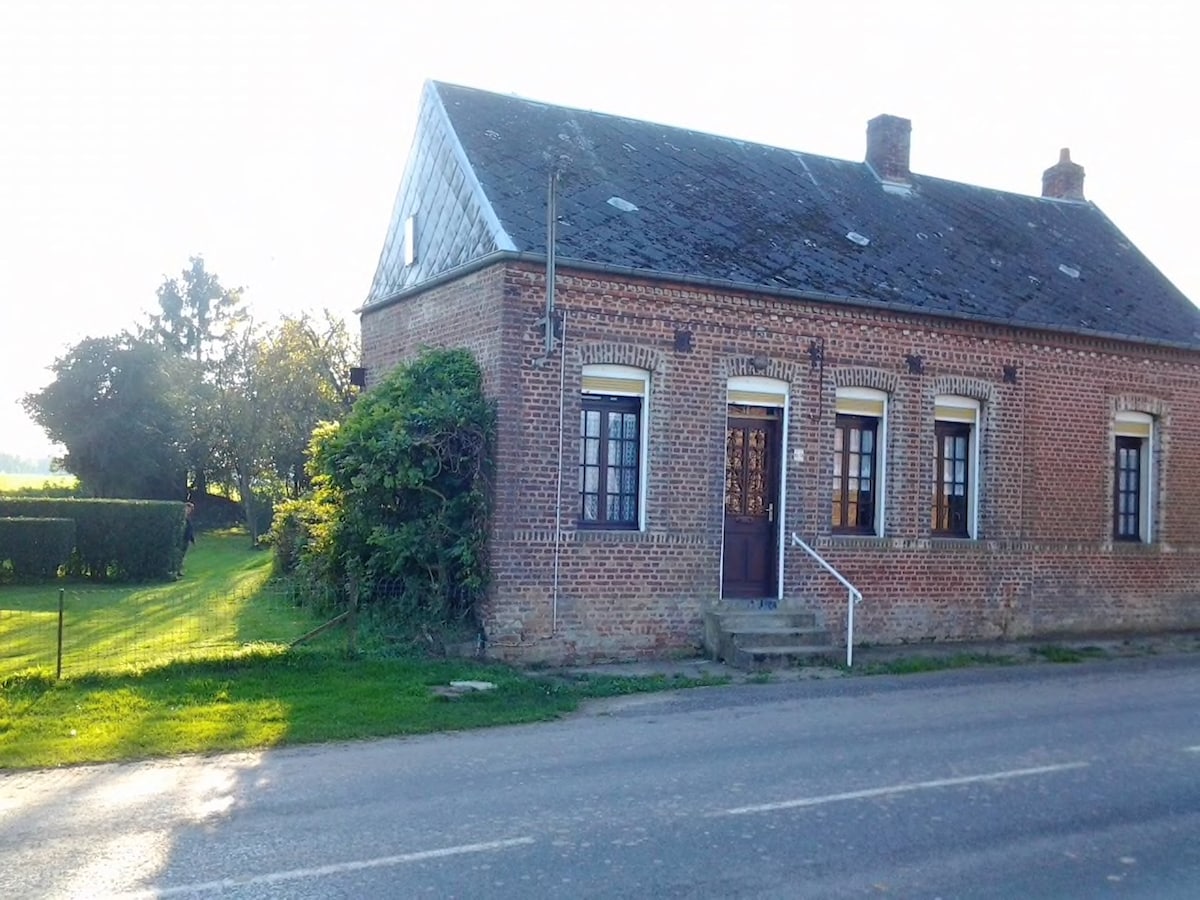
column 203, row 665
column 272, row 697
column 222, row 603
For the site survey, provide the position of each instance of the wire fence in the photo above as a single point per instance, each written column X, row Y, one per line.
column 79, row 630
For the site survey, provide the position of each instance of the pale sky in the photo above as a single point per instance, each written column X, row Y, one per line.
column 270, row 136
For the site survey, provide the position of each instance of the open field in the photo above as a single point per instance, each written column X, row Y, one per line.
column 10, row 483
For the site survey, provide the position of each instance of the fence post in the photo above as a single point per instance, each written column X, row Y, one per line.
column 58, row 663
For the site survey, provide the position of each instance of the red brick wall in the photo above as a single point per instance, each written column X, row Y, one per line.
column 466, row 313
column 1044, row 561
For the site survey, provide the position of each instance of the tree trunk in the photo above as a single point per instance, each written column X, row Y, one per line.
column 200, row 483
column 248, row 507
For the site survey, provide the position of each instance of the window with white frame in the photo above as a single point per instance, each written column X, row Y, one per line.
column 859, row 461
column 955, row 467
column 1133, row 439
column 612, row 447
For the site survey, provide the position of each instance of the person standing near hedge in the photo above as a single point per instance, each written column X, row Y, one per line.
column 189, row 533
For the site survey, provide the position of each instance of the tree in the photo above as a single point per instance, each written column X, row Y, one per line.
column 114, row 404
column 200, row 394
column 272, row 389
column 199, row 320
column 19, row 465
column 242, row 429
column 198, row 313
column 306, row 368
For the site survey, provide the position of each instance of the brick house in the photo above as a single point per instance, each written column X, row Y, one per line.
column 981, row 408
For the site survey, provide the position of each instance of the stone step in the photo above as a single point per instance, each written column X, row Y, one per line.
column 767, row 658
column 763, row 639
column 744, row 620
column 781, row 637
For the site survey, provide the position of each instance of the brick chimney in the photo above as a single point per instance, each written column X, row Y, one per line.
column 888, row 139
column 1064, row 180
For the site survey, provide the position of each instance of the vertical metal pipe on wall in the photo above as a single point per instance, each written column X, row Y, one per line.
column 551, row 240
column 562, row 424
column 551, row 312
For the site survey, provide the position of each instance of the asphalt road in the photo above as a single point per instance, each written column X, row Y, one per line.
column 1046, row 781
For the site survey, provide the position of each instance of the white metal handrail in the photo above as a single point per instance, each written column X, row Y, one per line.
column 855, row 594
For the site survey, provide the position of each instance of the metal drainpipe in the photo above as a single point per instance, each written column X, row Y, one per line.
column 562, row 399
column 551, row 277
column 551, row 240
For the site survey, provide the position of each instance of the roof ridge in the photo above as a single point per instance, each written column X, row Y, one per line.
column 634, row 119
column 745, row 142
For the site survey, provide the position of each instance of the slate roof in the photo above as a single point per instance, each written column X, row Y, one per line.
column 675, row 202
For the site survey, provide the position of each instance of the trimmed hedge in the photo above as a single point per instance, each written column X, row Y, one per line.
column 129, row 540
column 35, row 548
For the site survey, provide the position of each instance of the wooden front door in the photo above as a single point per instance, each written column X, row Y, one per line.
column 752, row 449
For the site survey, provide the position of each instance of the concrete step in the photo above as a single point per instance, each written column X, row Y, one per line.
column 781, row 637
column 765, row 639
column 744, row 620
column 766, row 658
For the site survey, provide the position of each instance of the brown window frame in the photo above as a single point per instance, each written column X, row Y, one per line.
column 627, row 496
column 840, row 514
column 947, row 507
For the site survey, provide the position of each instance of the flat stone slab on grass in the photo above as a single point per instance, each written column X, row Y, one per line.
column 458, row 688
column 472, row 686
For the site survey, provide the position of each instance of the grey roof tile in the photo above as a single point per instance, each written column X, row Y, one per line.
column 717, row 208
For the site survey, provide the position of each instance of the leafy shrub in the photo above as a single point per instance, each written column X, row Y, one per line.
column 302, row 537
column 288, row 536
column 401, row 494
column 36, row 548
